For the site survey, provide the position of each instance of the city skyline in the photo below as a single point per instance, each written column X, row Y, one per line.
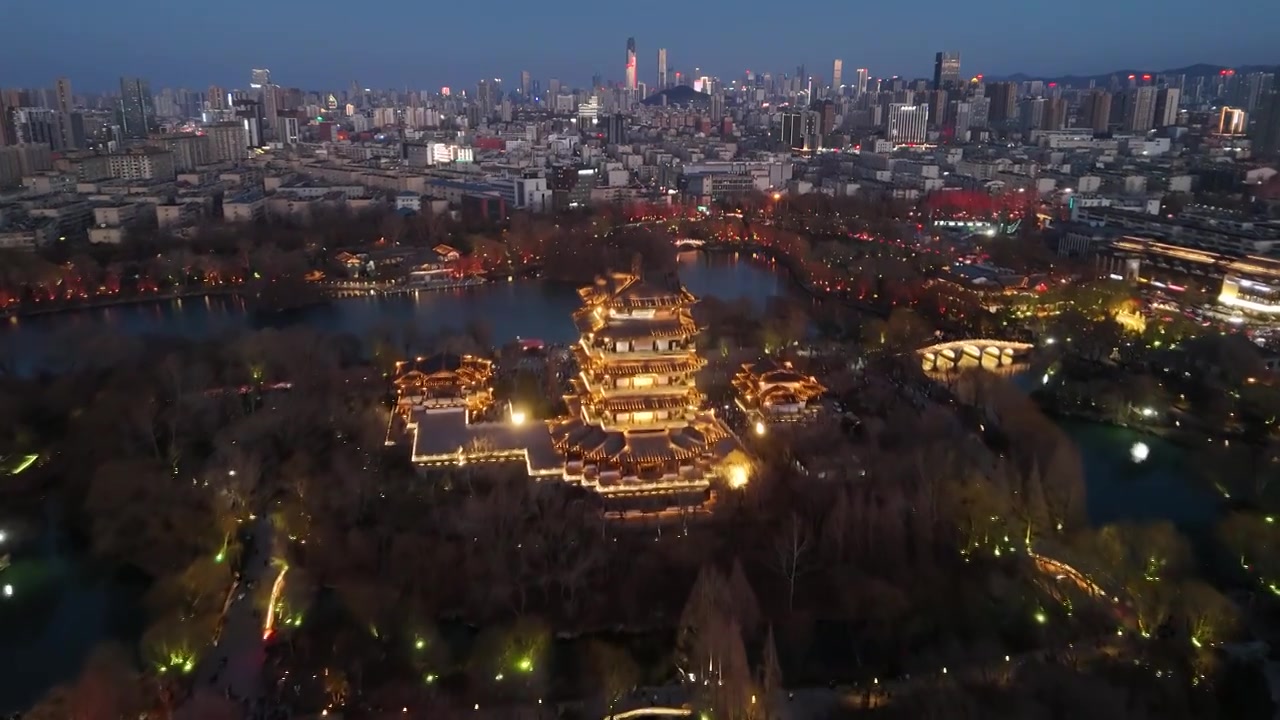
column 48, row 43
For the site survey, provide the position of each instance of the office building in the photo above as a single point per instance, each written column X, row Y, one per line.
column 946, row 70
column 137, row 110
column 837, row 75
column 259, row 78
column 526, row 84
column 631, row 64
column 227, row 141
column 860, row 83
column 662, row 69
column 1031, row 114
column 907, row 124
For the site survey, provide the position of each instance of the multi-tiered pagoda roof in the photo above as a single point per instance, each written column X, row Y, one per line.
column 637, row 423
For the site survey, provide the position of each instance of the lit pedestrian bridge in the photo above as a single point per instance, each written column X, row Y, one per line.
column 687, row 242
column 984, row 353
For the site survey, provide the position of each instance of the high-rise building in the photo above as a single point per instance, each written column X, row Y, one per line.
column 632, row 80
column 250, row 114
column 525, row 85
column 1095, row 111
column 63, row 92
column 907, row 124
column 959, row 120
column 837, row 74
column 217, row 98
column 70, row 125
column 1266, row 127
column 37, row 126
column 1004, row 99
column 1167, row 107
column 259, row 78
column 1140, row 110
column 137, row 112
column 227, row 141
column 1232, row 121
column 791, row 133
column 1031, row 114
column 946, row 70
column 662, row 69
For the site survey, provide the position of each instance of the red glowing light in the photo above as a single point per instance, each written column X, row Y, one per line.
column 1146, row 77
column 1053, row 84
column 979, row 76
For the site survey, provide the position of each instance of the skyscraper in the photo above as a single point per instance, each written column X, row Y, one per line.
column 137, row 113
column 946, row 70
column 631, row 63
column 525, row 85
column 860, row 85
column 662, row 69
column 259, row 77
column 837, row 73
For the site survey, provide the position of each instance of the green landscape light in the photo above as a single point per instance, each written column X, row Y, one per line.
column 420, row 644
column 222, row 555
column 1041, row 617
column 525, row 664
column 430, row 678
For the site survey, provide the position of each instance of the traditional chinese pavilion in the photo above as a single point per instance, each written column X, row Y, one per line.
column 636, row 423
column 444, row 381
column 773, row 391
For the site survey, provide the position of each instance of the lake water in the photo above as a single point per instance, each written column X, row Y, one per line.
column 43, row 643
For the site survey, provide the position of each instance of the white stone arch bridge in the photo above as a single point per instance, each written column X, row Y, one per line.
column 984, row 352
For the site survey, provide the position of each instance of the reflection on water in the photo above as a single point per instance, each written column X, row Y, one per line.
column 524, row 308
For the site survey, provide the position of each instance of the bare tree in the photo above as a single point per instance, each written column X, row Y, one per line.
column 791, row 546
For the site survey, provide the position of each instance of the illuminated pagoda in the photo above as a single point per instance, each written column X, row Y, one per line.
column 773, row 391
column 636, row 425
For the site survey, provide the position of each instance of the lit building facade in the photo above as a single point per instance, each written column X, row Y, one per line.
column 771, row 392
column 636, row 425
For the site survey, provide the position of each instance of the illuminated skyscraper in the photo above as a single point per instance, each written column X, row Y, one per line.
column 946, row 70
column 260, row 77
column 525, row 82
column 662, row 69
column 837, row 73
column 631, row 63
column 860, row 85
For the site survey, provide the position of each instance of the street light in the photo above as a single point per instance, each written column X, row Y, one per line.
column 760, row 428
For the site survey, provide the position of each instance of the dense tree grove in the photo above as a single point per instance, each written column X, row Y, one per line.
column 923, row 552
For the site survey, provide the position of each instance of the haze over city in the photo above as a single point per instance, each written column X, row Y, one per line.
column 329, row 43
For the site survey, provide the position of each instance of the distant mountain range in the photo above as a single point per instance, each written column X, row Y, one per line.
column 1198, row 70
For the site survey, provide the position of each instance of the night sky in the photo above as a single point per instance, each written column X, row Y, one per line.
column 320, row 44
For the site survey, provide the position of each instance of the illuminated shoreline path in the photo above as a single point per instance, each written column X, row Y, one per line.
column 637, row 431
